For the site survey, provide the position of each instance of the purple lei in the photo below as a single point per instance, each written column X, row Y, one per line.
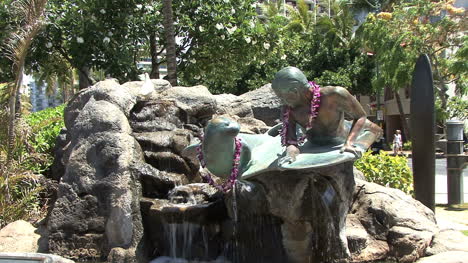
column 314, row 107
column 226, row 186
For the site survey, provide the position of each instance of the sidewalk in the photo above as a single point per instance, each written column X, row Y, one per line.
column 447, row 217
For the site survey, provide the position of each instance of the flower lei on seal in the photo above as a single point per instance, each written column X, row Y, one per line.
column 226, row 186
column 314, row 106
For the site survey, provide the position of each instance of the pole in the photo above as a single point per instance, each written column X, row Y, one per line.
column 456, row 161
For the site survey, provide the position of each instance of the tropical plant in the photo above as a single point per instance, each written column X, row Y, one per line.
column 397, row 38
column 31, row 13
column 300, row 19
column 386, row 170
column 19, row 194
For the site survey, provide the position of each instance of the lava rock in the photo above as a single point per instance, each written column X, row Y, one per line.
column 196, row 101
column 233, row 105
column 266, row 106
column 390, row 215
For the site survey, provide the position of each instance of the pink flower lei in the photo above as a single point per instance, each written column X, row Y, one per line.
column 226, row 186
column 314, row 107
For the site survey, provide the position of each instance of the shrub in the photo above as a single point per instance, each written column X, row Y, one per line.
column 407, row 146
column 390, row 171
column 19, row 193
column 35, row 136
column 44, row 126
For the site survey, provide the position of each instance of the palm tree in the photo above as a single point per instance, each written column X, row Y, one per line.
column 170, row 42
column 301, row 20
column 58, row 74
column 31, row 13
column 337, row 28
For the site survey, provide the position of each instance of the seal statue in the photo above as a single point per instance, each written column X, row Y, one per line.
column 218, row 147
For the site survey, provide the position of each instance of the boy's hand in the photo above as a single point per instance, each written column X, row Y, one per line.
column 351, row 149
column 291, row 153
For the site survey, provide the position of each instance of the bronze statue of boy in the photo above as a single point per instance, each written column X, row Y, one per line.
column 328, row 126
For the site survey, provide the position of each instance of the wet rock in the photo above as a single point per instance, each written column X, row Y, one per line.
column 448, row 240
column 266, row 106
column 357, row 236
column 173, row 141
column 363, row 247
column 157, row 184
column 194, row 194
column 170, row 162
column 19, row 236
column 186, row 230
column 162, row 211
column 312, row 215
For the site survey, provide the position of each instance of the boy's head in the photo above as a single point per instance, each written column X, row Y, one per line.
column 290, row 85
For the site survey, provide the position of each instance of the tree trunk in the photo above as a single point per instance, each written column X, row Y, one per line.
column 13, row 113
column 84, row 79
column 18, row 102
column 170, row 42
column 404, row 123
column 11, row 128
column 154, row 57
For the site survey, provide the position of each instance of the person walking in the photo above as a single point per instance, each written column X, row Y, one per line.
column 397, row 143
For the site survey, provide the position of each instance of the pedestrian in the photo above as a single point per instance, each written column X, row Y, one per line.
column 397, row 143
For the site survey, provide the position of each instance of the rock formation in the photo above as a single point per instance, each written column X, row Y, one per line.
column 127, row 195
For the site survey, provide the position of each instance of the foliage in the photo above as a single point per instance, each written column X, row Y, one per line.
column 19, row 193
column 457, row 108
column 397, row 38
column 238, row 51
column 93, row 34
column 46, row 126
column 407, row 146
column 390, row 171
column 35, row 136
column 223, row 44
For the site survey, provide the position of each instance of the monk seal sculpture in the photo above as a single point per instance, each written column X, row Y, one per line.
column 218, row 147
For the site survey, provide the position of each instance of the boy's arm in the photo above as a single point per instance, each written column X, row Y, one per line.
column 292, row 151
column 352, row 107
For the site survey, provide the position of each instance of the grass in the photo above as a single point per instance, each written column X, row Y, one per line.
column 465, row 232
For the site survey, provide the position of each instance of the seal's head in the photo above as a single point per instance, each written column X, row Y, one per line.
column 290, row 85
column 222, row 126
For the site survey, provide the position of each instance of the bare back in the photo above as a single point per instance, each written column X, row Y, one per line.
column 335, row 103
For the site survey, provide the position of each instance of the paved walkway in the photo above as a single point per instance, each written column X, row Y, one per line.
column 447, row 217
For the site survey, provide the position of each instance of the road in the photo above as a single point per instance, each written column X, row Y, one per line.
column 441, row 181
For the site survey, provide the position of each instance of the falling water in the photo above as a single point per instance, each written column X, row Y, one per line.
column 180, row 238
